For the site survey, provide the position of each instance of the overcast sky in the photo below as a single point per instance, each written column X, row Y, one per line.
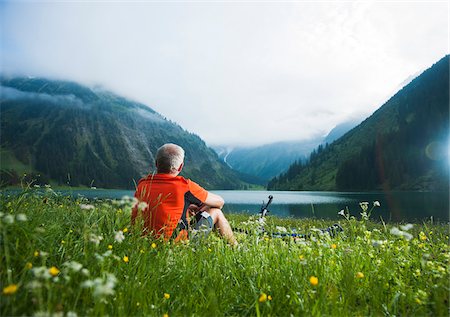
column 232, row 72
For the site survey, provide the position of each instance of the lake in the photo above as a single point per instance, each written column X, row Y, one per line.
column 394, row 206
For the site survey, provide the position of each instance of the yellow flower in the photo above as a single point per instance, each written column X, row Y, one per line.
column 359, row 275
column 125, row 230
column 153, row 245
column 29, row 265
column 422, row 236
column 269, row 297
column 209, row 249
column 10, row 289
column 125, row 259
column 110, row 246
column 314, row 280
column 166, row 315
column 262, row 298
column 301, row 257
column 166, row 295
column 62, row 241
column 141, row 251
column 334, row 246
column 36, row 253
column 53, row 271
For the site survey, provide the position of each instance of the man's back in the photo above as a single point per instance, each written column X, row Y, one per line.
column 168, row 198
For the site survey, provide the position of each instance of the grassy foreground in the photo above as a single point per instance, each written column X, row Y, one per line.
column 66, row 257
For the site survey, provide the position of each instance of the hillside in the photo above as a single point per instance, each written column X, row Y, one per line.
column 71, row 134
column 261, row 163
column 403, row 145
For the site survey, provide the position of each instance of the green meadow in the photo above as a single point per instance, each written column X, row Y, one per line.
column 73, row 257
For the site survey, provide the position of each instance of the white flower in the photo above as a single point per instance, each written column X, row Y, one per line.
column 378, row 243
column 119, row 237
column 73, row 266
column 281, row 229
column 34, row 285
column 21, row 217
column 142, row 205
column 376, row 203
column 407, row 227
column 36, row 186
column 95, row 238
column 8, row 219
column 85, row 272
column 364, row 205
column 71, row 314
column 41, row 272
column 86, row 206
column 397, row 232
column 342, row 213
column 102, row 286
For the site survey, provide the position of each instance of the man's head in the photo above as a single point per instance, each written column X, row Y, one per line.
column 169, row 159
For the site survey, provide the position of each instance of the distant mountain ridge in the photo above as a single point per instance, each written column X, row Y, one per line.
column 70, row 133
column 403, row 145
column 261, row 163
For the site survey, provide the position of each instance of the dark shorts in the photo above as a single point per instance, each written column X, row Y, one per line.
column 203, row 222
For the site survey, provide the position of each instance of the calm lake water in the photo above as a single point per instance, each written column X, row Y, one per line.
column 395, row 206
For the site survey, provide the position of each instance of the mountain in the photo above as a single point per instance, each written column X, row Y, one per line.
column 266, row 161
column 69, row 133
column 261, row 163
column 402, row 146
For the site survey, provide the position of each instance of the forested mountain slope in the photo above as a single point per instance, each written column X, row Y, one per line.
column 69, row 133
column 403, row 145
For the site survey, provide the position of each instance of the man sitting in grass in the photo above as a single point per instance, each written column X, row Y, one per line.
column 170, row 201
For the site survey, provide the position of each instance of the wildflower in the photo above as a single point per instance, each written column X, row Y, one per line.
column 142, row 205
column 407, row 227
column 333, row 246
column 53, row 271
column 364, row 205
column 125, row 259
column 73, row 265
column 301, row 257
column 95, row 238
column 63, row 242
column 110, row 246
column 209, row 250
column 71, row 314
column 281, row 229
column 119, row 237
column 269, row 297
column 313, row 280
column 102, row 286
column 262, row 298
column 41, row 272
column 422, row 236
column 342, row 213
column 21, row 217
column 166, row 295
column 397, row 232
column 153, row 245
column 87, row 206
column 360, row 275
column 8, row 219
column 125, row 230
column 10, row 289
column 376, row 203
column 29, row 265
column 378, row 243
column 166, row 315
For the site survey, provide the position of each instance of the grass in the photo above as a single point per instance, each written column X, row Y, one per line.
column 67, row 257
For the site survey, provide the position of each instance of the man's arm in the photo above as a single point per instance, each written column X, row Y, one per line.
column 213, row 200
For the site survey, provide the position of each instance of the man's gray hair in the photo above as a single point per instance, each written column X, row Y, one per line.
column 169, row 157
